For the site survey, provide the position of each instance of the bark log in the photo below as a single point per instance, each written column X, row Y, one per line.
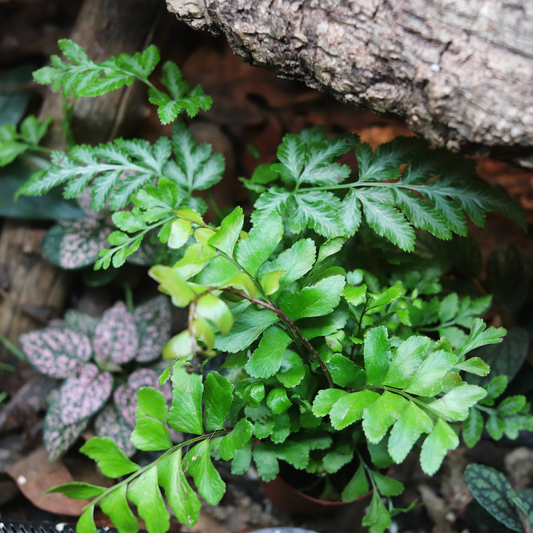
column 31, row 286
column 460, row 72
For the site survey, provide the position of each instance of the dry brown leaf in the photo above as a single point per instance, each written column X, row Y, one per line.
column 35, row 474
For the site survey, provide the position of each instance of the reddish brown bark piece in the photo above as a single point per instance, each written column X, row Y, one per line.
column 34, row 475
column 459, row 72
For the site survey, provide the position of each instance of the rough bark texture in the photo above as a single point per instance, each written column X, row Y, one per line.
column 460, row 72
column 34, row 287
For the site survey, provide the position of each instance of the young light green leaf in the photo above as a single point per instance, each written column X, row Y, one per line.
column 270, row 282
column 355, row 295
column 78, row 490
column 266, row 234
column 350, row 408
column 180, row 496
column 180, row 346
column 86, row 522
column 345, row 372
column 473, row 428
column 474, row 365
column 377, row 355
column 151, row 433
column 427, row 380
column 218, row 395
column 236, row 440
column 407, row 430
column 406, row 361
column 318, row 300
column 216, row 310
column 455, row 404
column 379, row 416
column 389, row 296
column 266, row 359
column 186, row 412
column 144, row 492
column 441, row 439
column 329, row 248
column 229, row 232
column 247, row 327
column 278, row 401
column 173, row 284
column 110, row 458
column 356, row 487
column 479, row 336
column 207, row 479
column 116, row 507
column 325, row 399
column 180, row 231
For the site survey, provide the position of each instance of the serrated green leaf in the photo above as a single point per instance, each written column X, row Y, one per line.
column 206, row 478
column 236, row 440
column 110, row 458
column 427, row 380
column 116, row 507
column 318, row 300
column 180, row 496
column 86, row 522
column 325, row 399
column 474, row 365
column 355, row 295
column 479, row 336
column 512, row 405
column 389, row 296
column 186, row 412
column 266, row 359
column 455, row 404
column 350, row 408
column 292, row 370
column 144, row 492
column 388, row 486
column 449, row 307
column 218, row 395
column 379, row 416
column 407, row 430
column 242, row 460
column 247, row 327
column 356, row 487
column 441, row 439
column 377, row 516
column 151, row 433
column 495, row 426
column 229, row 232
column 377, row 355
column 278, row 401
column 473, row 428
column 406, row 361
column 263, row 239
column 78, row 490
column 345, row 372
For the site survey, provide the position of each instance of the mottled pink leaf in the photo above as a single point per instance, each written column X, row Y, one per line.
column 82, row 396
column 57, row 437
column 153, row 320
column 116, row 337
column 110, row 424
column 56, row 352
column 75, row 243
column 80, row 321
column 145, row 377
column 126, row 402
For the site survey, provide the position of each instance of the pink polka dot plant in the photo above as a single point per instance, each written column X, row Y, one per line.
column 103, row 363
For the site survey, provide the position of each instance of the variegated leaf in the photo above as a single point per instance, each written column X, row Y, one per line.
column 84, row 395
column 57, row 437
column 126, row 403
column 110, row 424
column 153, row 320
column 75, row 243
column 56, row 352
column 116, row 338
column 145, row 377
column 77, row 320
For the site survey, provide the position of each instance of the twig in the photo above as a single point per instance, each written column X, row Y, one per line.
column 292, row 326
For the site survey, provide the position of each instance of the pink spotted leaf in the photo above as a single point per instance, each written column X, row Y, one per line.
column 126, row 403
column 153, row 320
column 57, row 437
column 109, row 423
column 74, row 244
column 84, row 395
column 145, row 377
column 116, row 337
column 56, row 352
column 80, row 321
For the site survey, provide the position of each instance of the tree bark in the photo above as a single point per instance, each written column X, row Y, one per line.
column 460, row 72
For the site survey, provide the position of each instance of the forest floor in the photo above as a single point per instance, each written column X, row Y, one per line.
column 251, row 107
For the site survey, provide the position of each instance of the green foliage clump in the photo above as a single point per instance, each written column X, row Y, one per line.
column 343, row 352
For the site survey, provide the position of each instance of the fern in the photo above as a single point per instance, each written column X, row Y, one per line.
column 82, row 76
column 317, row 193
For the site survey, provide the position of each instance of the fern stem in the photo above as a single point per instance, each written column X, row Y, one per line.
column 292, row 326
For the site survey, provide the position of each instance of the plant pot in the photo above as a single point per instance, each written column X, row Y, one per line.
column 294, row 502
